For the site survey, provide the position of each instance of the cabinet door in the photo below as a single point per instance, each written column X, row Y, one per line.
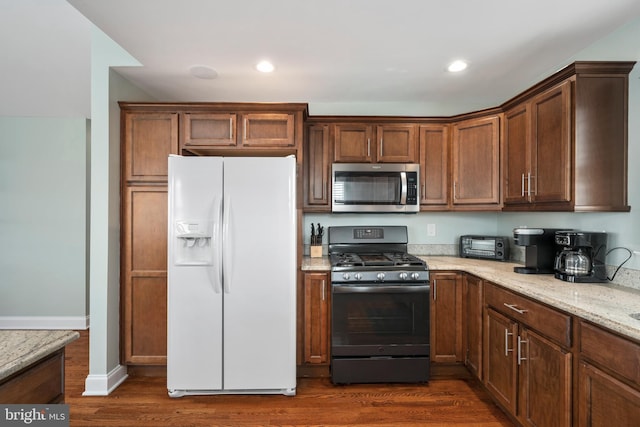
column 316, row 318
column 202, row 129
column 317, row 169
column 517, row 175
column 144, row 266
column 472, row 319
column 396, row 144
column 434, row 165
column 148, row 140
column 446, row 318
column 551, row 155
column 353, row 143
column 603, row 401
column 544, row 382
column 476, row 161
column 500, row 369
column 268, row 130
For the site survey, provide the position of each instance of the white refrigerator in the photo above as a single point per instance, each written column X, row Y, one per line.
column 231, row 276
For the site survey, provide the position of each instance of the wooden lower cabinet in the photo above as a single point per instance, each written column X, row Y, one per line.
column 500, row 369
column 472, row 300
column 544, row 369
column 41, row 382
column 527, row 372
column 609, row 379
column 316, row 324
column 446, row 317
column 605, row 401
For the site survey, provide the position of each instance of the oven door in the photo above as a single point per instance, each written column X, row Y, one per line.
column 380, row 320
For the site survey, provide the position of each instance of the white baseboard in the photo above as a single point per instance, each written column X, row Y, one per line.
column 102, row 385
column 44, row 322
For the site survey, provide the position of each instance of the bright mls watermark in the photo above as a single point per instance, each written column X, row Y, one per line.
column 34, row 415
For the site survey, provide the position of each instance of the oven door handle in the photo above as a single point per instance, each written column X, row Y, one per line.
column 351, row 289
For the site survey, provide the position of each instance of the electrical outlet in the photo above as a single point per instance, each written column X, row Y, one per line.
column 431, row 230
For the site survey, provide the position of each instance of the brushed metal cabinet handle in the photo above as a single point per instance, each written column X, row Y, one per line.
column 520, row 342
column 515, row 308
column 507, row 334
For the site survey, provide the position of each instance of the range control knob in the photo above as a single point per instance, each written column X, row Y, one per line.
column 380, row 276
column 415, row 276
column 403, row 276
column 358, row 276
column 346, row 276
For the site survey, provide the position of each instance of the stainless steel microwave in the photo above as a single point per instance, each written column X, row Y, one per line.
column 375, row 187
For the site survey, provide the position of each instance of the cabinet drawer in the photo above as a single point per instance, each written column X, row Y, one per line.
column 611, row 351
column 547, row 321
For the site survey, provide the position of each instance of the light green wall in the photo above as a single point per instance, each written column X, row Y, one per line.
column 43, row 220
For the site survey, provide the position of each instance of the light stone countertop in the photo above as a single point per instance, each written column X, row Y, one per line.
column 605, row 304
column 21, row 348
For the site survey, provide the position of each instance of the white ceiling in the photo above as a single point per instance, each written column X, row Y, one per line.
column 326, row 52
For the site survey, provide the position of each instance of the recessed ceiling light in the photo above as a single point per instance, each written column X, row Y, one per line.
column 203, row 72
column 457, row 66
column 265, row 67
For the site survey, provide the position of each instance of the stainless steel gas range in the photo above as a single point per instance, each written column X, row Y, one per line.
column 380, row 307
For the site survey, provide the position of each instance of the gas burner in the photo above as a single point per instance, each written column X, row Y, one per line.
column 346, row 260
column 402, row 259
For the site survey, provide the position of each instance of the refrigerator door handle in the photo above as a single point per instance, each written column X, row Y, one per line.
column 227, row 247
column 216, row 247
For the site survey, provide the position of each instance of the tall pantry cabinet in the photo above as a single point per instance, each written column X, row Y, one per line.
column 147, row 140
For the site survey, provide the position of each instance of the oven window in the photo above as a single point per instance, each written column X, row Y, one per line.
column 364, row 188
column 380, row 318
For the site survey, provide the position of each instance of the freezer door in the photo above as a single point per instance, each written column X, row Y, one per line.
column 260, row 273
column 194, row 335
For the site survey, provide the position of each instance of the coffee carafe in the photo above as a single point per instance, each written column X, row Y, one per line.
column 581, row 256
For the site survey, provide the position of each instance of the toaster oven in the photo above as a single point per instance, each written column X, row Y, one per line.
column 484, row 247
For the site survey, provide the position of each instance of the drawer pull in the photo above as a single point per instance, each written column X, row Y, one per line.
column 514, row 308
column 507, row 334
column 520, row 342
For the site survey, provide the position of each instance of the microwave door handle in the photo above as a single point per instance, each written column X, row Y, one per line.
column 403, row 194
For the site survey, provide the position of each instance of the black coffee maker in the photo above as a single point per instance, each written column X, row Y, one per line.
column 581, row 256
column 540, row 249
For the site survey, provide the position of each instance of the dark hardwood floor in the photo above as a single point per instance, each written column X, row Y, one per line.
column 143, row 401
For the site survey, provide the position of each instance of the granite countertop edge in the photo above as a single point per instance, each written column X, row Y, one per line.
column 20, row 348
column 605, row 304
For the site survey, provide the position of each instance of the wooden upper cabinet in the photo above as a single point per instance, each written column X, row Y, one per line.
column 148, row 138
column 551, row 145
column 268, row 130
column 375, row 143
column 476, row 162
column 565, row 141
column 317, row 169
column 517, row 139
column 396, row 143
column 352, row 143
column 434, row 166
column 209, row 129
